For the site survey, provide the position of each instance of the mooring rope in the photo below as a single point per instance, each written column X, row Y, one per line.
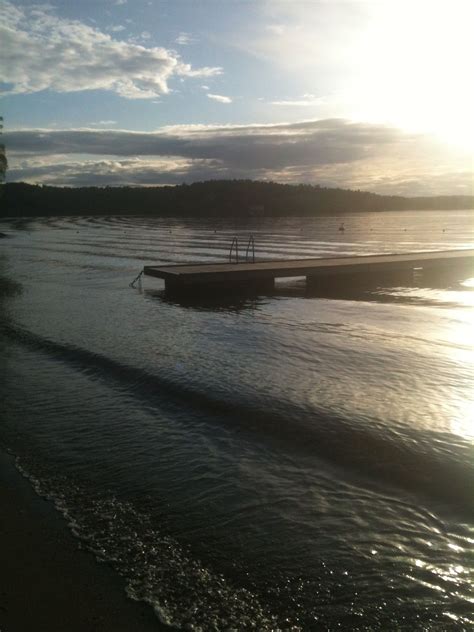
column 137, row 278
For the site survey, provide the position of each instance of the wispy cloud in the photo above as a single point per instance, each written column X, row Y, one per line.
column 186, row 70
column 219, row 97
column 116, row 28
column 305, row 100
column 103, row 123
column 184, row 39
column 43, row 51
column 331, row 152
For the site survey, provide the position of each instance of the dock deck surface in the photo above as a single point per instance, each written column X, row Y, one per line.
column 184, row 274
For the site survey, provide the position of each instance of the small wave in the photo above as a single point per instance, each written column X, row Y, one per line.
column 380, row 458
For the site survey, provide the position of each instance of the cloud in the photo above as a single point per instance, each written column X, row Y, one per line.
column 43, row 51
column 102, row 123
column 220, row 98
column 109, row 172
column 254, row 146
column 184, row 39
column 305, row 100
column 116, row 28
column 330, row 152
column 187, row 71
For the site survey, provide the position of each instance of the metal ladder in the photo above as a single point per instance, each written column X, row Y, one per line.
column 251, row 244
column 235, row 243
column 249, row 252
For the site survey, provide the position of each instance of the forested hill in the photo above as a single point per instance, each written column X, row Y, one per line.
column 212, row 198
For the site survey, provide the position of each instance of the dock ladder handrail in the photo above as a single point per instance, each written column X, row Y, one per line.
column 251, row 244
column 235, row 243
column 249, row 252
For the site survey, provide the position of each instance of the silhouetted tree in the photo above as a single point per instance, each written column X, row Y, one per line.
column 3, row 160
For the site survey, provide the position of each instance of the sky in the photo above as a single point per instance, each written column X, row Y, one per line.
column 375, row 95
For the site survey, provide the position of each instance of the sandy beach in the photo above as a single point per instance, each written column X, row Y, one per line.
column 47, row 583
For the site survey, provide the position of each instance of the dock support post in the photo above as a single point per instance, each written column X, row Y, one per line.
column 360, row 279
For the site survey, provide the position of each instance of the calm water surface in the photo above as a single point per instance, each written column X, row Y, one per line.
column 282, row 462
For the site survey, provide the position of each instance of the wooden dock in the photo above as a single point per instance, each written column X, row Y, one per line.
column 261, row 275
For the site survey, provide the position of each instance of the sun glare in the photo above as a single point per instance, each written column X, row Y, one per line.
column 416, row 63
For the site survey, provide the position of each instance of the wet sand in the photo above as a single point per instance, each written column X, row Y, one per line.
column 47, row 583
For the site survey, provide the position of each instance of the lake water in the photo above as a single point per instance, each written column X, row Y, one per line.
column 280, row 462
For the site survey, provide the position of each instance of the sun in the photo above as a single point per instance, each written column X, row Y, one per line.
column 415, row 65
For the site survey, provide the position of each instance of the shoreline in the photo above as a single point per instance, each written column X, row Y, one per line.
column 47, row 583
column 132, row 213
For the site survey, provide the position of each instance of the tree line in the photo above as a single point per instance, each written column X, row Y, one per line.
column 218, row 198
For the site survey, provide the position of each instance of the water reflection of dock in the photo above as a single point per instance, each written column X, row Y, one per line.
column 261, row 275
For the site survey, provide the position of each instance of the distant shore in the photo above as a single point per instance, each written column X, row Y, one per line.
column 215, row 198
column 47, row 583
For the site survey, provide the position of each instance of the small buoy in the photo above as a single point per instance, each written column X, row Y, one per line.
column 341, row 227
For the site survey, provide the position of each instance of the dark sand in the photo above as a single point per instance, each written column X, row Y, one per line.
column 48, row 584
